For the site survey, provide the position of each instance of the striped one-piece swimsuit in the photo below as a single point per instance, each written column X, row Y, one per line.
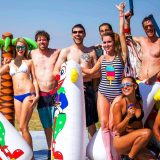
column 111, row 89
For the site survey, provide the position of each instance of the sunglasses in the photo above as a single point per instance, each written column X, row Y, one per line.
column 21, row 47
column 78, row 32
column 127, row 84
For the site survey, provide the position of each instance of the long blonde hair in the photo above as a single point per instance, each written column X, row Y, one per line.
column 22, row 40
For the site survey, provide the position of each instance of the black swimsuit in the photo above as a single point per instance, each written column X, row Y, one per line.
column 134, row 118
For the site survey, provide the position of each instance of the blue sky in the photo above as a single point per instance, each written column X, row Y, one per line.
column 25, row 17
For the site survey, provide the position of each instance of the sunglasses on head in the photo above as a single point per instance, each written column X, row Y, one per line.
column 127, row 84
column 21, row 47
column 77, row 32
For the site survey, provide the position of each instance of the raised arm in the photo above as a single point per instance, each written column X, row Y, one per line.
column 121, row 7
column 61, row 59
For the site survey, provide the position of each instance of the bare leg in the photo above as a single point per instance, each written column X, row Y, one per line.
column 25, row 116
column 103, row 112
column 48, row 134
column 133, row 142
column 91, row 130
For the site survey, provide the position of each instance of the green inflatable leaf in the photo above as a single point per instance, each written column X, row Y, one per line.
column 7, row 42
column 1, row 43
column 2, row 135
column 14, row 41
column 60, row 122
column 61, row 90
column 31, row 43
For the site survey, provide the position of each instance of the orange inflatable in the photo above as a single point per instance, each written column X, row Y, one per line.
column 6, row 89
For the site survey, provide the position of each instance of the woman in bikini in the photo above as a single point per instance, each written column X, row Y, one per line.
column 130, row 136
column 112, row 68
column 26, row 91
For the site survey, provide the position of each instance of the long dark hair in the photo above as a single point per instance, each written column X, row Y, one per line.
column 138, row 95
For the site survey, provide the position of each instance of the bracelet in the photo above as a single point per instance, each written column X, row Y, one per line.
column 127, row 30
column 121, row 16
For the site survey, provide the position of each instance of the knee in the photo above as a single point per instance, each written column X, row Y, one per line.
column 23, row 128
column 147, row 133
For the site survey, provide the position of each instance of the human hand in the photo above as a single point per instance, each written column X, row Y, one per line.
column 130, row 112
column 121, row 6
column 6, row 60
column 98, row 46
column 33, row 99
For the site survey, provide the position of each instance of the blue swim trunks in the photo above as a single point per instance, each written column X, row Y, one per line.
column 46, row 116
column 46, row 108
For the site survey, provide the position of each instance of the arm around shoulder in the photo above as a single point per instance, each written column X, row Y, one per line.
column 94, row 69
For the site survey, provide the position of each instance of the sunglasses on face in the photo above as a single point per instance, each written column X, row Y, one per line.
column 74, row 32
column 21, row 47
column 127, row 84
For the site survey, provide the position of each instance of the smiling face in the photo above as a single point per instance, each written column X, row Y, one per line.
column 42, row 42
column 149, row 28
column 128, row 86
column 108, row 43
column 78, row 35
column 20, row 49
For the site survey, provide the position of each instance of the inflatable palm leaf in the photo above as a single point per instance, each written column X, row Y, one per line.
column 2, row 134
column 60, row 122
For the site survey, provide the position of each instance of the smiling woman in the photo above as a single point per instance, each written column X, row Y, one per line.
column 26, row 91
column 130, row 136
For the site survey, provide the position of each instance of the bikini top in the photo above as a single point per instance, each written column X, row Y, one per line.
column 23, row 68
column 134, row 118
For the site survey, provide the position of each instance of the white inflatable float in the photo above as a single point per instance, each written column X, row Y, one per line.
column 69, row 120
column 148, row 93
column 12, row 145
column 95, row 148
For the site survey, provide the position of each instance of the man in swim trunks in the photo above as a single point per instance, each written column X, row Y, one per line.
column 150, row 67
column 86, row 57
column 44, row 60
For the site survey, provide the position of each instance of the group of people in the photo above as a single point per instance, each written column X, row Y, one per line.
column 117, row 105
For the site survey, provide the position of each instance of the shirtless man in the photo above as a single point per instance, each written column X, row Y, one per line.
column 86, row 57
column 150, row 67
column 44, row 60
